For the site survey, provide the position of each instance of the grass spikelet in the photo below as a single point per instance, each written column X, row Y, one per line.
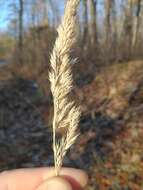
column 66, row 114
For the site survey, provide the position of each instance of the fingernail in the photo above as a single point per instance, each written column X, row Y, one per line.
column 55, row 183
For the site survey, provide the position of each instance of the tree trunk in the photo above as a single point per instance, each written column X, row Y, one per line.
column 107, row 22
column 20, row 43
column 114, row 32
column 21, row 24
column 93, row 28
column 128, row 27
column 136, row 24
column 108, row 31
column 85, row 24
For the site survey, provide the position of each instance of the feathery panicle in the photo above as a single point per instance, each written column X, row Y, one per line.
column 66, row 114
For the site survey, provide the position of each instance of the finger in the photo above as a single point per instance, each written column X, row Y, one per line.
column 30, row 179
column 71, row 174
column 55, row 183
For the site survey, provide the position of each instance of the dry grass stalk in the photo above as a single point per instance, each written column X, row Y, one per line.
column 66, row 114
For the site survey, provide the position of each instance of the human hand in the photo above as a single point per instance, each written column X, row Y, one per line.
column 43, row 179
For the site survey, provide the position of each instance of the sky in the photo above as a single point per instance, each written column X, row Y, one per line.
column 3, row 16
column 5, row 11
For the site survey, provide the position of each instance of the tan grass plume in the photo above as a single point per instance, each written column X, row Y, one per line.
column 66, row 114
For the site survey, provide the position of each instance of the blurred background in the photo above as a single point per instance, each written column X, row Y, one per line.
column 108, row 83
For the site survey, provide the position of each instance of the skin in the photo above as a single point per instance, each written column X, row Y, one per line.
column 43, row 179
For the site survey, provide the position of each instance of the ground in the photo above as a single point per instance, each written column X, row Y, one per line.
column 110, row 145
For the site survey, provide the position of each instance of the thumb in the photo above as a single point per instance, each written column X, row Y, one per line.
column 54, row 184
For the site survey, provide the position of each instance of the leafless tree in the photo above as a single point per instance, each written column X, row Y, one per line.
column 93, row 29
column 85, row 23
column 137, row 23
column 21, row 12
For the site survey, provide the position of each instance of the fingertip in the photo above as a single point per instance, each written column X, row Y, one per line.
column 76, row 175
column 78, row 178
column 55, row 183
